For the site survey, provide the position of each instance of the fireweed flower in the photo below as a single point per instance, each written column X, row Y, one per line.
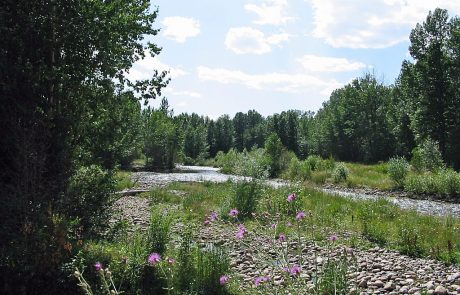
column 260, row 280
column 300, row 216
column 291, row 197
column 154, row 258
column 333, row 238
column 295, row 270
column 234, row 212
column 214, row 216
column 282, row 237
column 223, row 280
column 98, row 266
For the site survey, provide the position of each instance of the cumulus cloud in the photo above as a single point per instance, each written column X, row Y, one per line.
column 244, row 40
column 270, row 12
column 180, row 28
column 316, row 63
column 371, row 24
column 275, row 81
column 144, row 69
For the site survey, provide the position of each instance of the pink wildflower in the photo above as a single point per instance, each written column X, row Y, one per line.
column 98, row 266
column 260, row 280
column 154, row 258
column 241, row 232
column 295, row 270
column 333, row 238
column 274, row 225
column 207, row 222
column 234, row 212
column 223, row 280
column 282, row 237
column 214, row 216
column 301, row 215
column 291, row 197
column 171, row 260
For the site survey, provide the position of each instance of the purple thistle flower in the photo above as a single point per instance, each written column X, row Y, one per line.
column 274, row 225
column 206, row 222
column 333, row 238
column 223, row 280
column 295, row 270
column 154, row 258
column 282, row 237
column 260, row 280
column 301, row 215
column 241, row 232
column 291, row 197
column 98, row 266
column 234, row 212
column 214, row 216
column 288, row 224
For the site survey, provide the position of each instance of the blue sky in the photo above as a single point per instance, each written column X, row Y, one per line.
column 226, row 56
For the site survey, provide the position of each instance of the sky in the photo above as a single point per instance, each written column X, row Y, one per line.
column 229, row 56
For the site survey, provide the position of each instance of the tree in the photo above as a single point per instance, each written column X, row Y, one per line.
column 55, row 57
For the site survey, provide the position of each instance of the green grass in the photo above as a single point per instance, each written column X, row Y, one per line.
column 373, row 176
column 123, row 180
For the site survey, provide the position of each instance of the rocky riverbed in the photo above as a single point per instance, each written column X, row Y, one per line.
column 375, row 271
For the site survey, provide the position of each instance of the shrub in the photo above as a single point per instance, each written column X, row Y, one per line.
column 340, row 172
column 398, row 168
column 293, row 170
column 427, row 157
column 313, row 161
column 158, row 232
column 244, row 198
column 89, row 198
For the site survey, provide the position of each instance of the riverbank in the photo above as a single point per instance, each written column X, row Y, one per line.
column 375, row 270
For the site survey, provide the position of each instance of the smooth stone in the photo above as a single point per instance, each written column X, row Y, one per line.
column 440, row 290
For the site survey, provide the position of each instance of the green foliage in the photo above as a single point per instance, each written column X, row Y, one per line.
column 333, row 278
column 427, row 157
column 123, row 180
column 160, row 139
column 244, row 198
column 409, row 239
column 398, row 168
column 158, row 231
column 444, row 182
column 89, row 198
column 274, row 149
column 199, row 269
column 340, row 172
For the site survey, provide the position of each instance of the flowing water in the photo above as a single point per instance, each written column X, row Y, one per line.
column 146, row 180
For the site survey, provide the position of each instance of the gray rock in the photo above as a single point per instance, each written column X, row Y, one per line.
column 440, row 290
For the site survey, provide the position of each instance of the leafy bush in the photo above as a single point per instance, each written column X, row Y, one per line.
column 340, row 172
column 445, row 182
column 298, row 170
column 158, row 232
column 427, row 157
column 313, row 161
column 254, row 163
column 244, row 199
column 89, row 198
column 398, row 168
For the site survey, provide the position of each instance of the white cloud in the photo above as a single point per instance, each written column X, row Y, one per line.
column 270, row 12
column 244, row 40
column 281, row 82
column 316, row 63
column 143, row 69
column 371, row 24
column 172, row 91
column 180, row 28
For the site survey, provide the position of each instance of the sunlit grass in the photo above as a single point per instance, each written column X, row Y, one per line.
column 373, row 176
column 123, row 180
